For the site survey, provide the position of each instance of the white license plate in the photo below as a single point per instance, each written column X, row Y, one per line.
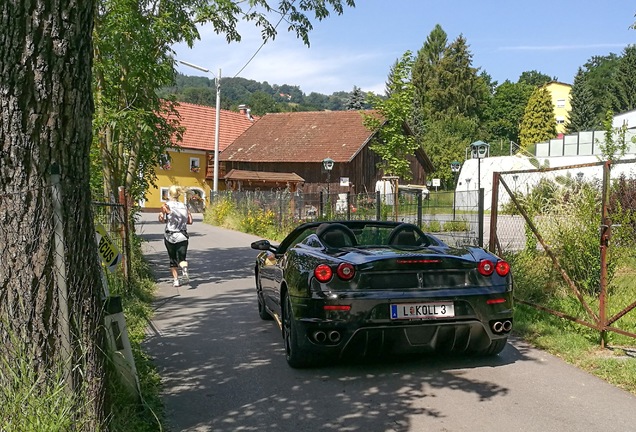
column 422, row 310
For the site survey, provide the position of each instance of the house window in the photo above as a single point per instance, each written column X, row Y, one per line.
column 165, row 161
column 560, row 119
column 196, row 200
column 164, row 194
column 194, row 164
column 560, row 103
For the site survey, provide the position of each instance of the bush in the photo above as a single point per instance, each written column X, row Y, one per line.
column 572, row 230
column 219, row 211
column 432, row 226
column 622, row 211
column 258, row 222
column 456, row 225
column 534, row 277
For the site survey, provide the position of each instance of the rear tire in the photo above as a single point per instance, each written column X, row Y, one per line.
column 295, row 357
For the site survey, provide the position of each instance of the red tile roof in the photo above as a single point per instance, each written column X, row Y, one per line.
column 199, row 122
column 301, row 137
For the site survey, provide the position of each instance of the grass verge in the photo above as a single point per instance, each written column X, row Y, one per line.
column 580, row 345
column 127, row 413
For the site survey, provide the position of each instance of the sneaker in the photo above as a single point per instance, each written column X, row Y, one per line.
column 176, row 283
column 184, row 270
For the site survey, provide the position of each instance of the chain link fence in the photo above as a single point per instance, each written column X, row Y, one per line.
column 439, row 213
column 572, row 230
column 51, row 327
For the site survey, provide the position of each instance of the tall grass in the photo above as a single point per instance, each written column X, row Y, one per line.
column 32, row 402
column 43, row 403
column 570, row 226
column 127, row 413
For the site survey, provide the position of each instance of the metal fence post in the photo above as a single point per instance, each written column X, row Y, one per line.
column 606, row 233
column 419, row 209
column 348, row 205
column 492, row 238
column 378, row 203
column 480, row 217
column 281, row 197
column 321, row 204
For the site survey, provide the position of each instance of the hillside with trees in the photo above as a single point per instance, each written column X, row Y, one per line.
column 261, row 97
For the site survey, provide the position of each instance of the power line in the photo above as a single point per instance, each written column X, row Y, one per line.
column 264, row 42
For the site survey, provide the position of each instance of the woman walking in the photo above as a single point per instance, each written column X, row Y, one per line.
column 177, row 217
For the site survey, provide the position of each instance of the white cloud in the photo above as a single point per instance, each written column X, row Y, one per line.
column 286, row 60
column 560, row 47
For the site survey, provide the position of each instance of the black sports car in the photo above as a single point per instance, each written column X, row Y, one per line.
column 369, row 287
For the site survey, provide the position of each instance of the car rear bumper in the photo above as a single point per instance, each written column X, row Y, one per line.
column 362, row 331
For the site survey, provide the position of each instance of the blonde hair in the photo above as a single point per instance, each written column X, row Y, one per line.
column 175, row 192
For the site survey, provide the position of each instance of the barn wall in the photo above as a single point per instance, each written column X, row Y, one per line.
column 362, row 172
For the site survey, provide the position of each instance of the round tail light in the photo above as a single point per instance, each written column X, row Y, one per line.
column 486, row 267
column 345, row 271
column 323, row 273
column 502, row 268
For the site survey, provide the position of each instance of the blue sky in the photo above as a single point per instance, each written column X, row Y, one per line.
column 358, row 48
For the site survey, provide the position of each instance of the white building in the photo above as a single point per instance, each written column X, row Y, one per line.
column 575, row 149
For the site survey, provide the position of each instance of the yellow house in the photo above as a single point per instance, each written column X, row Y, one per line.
column 190, row 164
column 560, row 93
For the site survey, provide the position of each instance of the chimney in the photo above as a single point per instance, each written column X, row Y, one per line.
column 243, row 109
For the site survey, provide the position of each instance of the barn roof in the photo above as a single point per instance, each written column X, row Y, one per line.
column 264, row 177
column 301, row 137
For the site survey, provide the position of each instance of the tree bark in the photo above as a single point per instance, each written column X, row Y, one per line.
column 46, row 110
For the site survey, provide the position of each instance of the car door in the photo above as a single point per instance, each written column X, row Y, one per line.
column 271, row 278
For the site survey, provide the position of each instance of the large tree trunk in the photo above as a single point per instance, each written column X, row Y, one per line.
column 46, row 111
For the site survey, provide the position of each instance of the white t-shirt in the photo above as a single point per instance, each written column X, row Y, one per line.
column 176, row 222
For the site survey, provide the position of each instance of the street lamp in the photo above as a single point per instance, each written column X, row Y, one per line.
column 217, row 82
column 455, row 167
column 327, row 164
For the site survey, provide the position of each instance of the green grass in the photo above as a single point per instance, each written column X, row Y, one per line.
column 576, row 343
column 30, row 401
column 127, row 413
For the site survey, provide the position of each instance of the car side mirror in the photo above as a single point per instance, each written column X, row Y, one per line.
column 263, row 245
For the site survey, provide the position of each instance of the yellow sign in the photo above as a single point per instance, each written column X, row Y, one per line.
column 108, row 251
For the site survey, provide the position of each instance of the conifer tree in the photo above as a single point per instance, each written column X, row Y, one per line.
column 582, row 116
column 538, row 123
column 599, row 73
column 356, row 100
column 425, row 73
column 623, row 94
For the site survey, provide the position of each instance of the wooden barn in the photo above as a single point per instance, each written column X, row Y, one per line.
column 290, row 150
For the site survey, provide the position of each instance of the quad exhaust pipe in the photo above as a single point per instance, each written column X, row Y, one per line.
column 322, row 337
column 507, row 325
column 497, row 327
column 502, row 326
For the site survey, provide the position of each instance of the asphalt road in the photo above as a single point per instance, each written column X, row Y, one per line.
column 223, row 369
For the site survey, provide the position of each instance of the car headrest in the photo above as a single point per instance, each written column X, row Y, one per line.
column 405, row 234
column 405, row 238
column 336, row 235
